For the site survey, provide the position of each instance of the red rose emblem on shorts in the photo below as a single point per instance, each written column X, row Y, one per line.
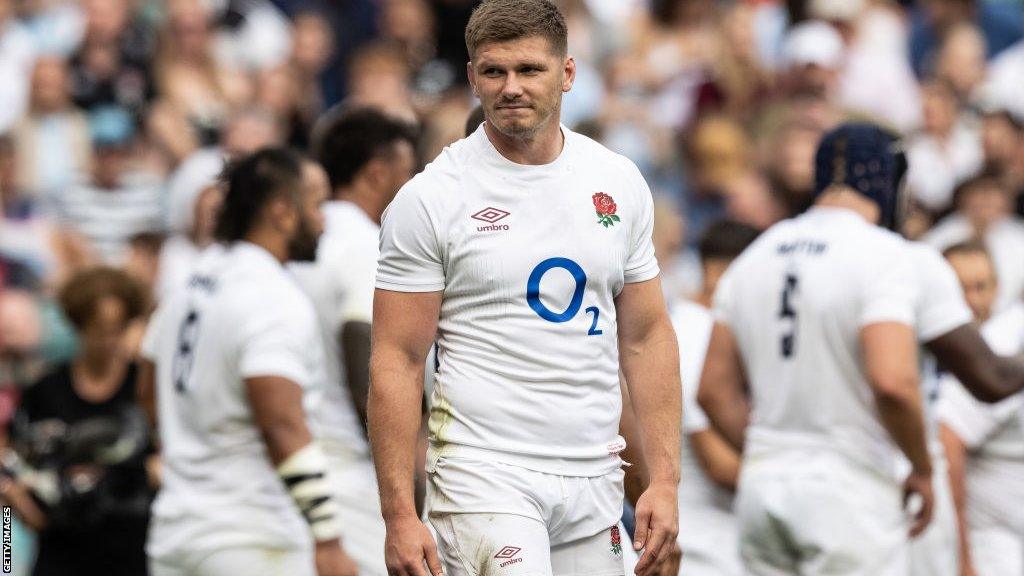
column 616, row 541
column 606, row 208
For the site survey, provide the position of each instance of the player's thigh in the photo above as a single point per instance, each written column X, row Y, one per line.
column 997, row 551
column 763, row 544
column 596, row 555
column 485, row 544
column 849, row 522
column 256, row 561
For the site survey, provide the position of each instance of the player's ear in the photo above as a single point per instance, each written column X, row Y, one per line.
column 570, row 73
column 472, row 80
column 281, row 213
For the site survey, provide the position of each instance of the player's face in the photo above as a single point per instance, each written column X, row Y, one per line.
column 315, row 189
column 978, row 280
column 520, row 84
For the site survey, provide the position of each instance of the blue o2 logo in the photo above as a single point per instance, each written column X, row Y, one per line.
column 533, row 293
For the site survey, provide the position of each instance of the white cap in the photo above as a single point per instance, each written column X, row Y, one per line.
column 813, row 42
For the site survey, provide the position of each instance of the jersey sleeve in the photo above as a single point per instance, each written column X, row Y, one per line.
column 942, row 307
column 888, row 287
column 275, row 341
column 722, row 301
column 694, row 418
column 410, row 253
column 641, row 264
column 353, row 271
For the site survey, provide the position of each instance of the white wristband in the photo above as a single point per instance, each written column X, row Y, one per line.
column 305, row 475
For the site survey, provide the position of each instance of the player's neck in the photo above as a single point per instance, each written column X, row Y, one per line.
column 543, row 147
column 847, row 199
column 364, row 199
column 277, row 247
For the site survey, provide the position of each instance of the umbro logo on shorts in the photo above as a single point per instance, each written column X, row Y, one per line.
column 508, row 552
column 491, row 215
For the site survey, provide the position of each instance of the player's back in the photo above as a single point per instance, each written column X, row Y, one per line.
column 796, row 301
column 239, row 317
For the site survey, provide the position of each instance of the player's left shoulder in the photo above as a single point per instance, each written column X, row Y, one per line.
column 603, row 160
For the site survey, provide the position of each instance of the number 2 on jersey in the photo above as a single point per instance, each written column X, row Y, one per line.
column 787, row 313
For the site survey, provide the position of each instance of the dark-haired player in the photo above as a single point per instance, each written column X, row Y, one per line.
column 234, row 353
column 368, row 156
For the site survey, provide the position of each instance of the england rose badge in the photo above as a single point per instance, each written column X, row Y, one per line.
column 605, row 206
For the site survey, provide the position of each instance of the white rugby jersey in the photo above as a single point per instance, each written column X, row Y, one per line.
column 796, row 301
column 240, row 316
column 993, row 434
column 340, row 284
column 530, row 260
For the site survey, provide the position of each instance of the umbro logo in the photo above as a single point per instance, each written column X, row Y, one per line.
column 491, row 215
column 508, row 554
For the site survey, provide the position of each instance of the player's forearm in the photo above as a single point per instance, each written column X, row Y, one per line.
column 355, row 349
column 956, row 459
column 393, row 411
column 988, row 377
column 651, row 368
column 902, row 416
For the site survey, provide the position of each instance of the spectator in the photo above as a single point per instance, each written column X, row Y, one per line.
column 1000, row 22
column 80, row 427
column 945, row 153
column 52, row 140
column 17, row 54
column 118, row 201
column 111, row 68
column 983, row 212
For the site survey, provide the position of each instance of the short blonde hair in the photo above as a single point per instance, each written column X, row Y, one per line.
column 505, row 20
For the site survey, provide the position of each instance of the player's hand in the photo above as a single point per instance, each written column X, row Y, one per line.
column 967, row 569
column 657, row 525
column 331, row 560
column 670, row 567
column 407, row 546
column 920, row 484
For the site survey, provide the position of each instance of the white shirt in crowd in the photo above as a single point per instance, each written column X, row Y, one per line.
column 529, row 272
column 937, row 167
column 796, row 301
column 240, row 316
column 1005, row 242
column 340, row 284
column 709, row 534
column 993, row 435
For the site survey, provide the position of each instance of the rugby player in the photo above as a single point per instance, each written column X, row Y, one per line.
column 526, row 248
column 233, row 354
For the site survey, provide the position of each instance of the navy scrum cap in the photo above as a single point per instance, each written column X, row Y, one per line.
column 868, row 159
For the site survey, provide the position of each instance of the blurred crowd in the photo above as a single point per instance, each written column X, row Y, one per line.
column 116, row 117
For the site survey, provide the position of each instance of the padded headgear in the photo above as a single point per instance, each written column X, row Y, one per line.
column 868, row 159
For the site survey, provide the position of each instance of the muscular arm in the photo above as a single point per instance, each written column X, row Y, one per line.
column 277, row 409
column 723, row 384
column 404, row 326
column 890, row 360
column 637, row 478
column 355, row 350
column 988, row 377
column 649, row 356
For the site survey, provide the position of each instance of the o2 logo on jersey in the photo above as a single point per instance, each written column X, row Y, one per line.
column 533, row 293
